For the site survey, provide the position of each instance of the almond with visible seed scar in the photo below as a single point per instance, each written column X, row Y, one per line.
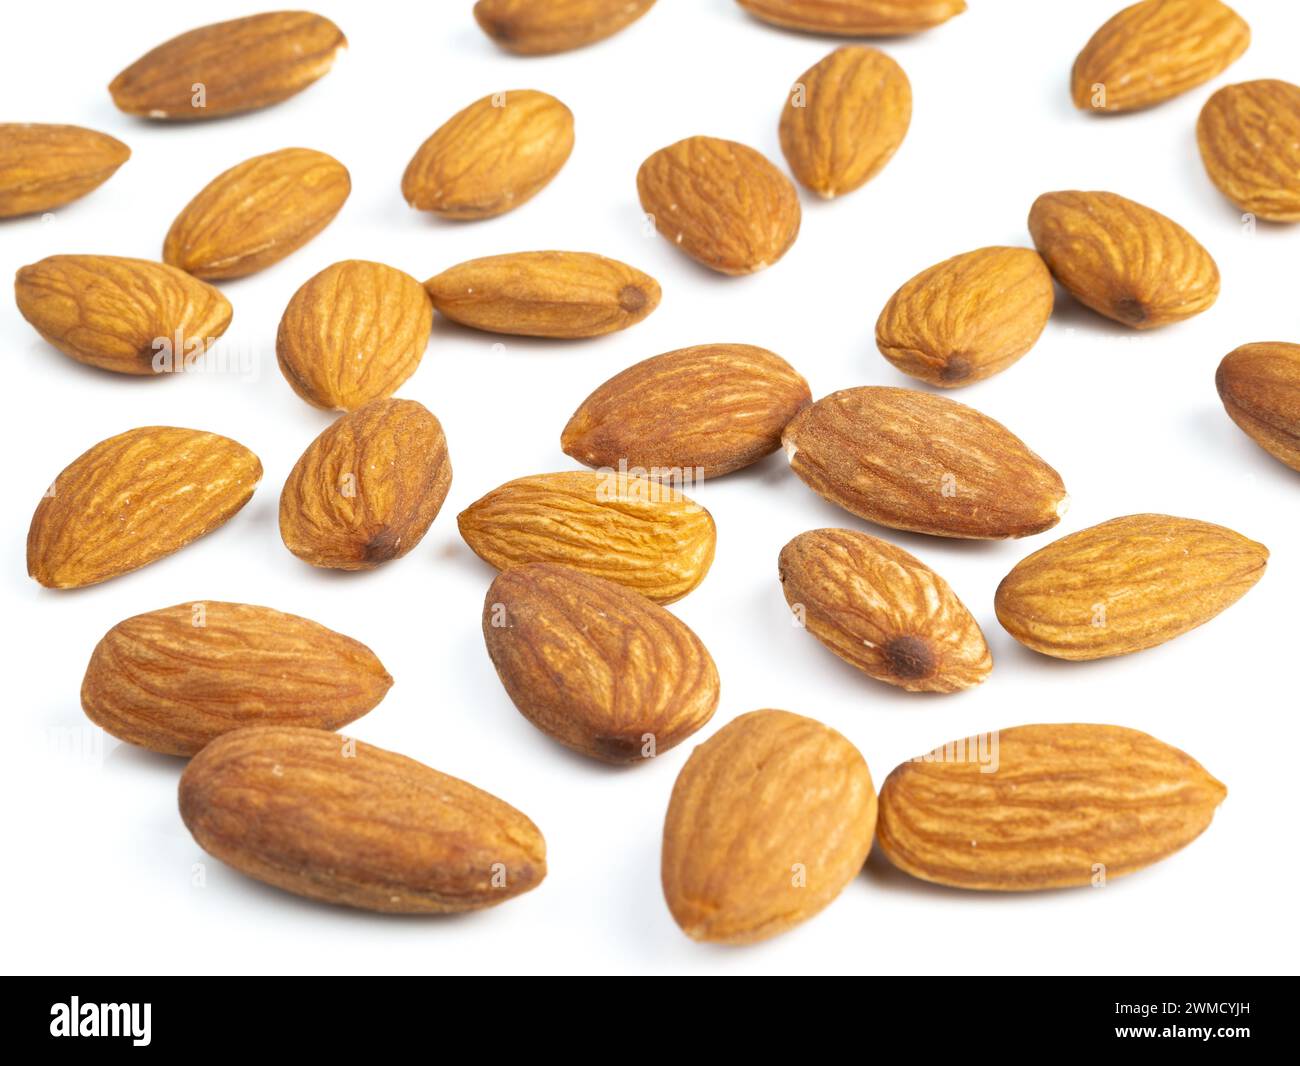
column 1249, row 136
column 135, row 498
column 643, row 535
column 1125, row 585
column 967, row 318
column 332, row 819
column 855, row 18
column 911, row 460
column 724, row 204
column 368, row 488
column 544, row 294
column 175, row 679
column 769, row 820
column 544, row 27
column 131, row 316
column 1156, row 50
column 1259, row 385
column 1043, row 806
column 44, row 166
column 884, row 611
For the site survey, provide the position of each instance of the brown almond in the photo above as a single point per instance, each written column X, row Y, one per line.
column 1249, row 136
column 855, row 18
column 544, row 27
column 44, row 166
column 1259, row 385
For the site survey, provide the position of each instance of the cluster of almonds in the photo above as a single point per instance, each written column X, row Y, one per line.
column 776, row 813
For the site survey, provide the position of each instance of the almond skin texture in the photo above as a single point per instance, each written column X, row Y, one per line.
column 256, row 213
column 46, row 166
column 353, row 334
column 845, row 119
column 544, row 27
column 1124, row 260
column 174, row 679
column 699, row 412
column 967, row 318
column 491, row 157
column 1127, row 584
column 915, row 461
column 882, row 610
column 336, row 820
column 769, row 820
column 645, row 536
column 1043, row 806
column 544, row 294
column 1259, row 385
column 135, row 498
column 855, row 18
column 724, row 204
column 368, row 488
column 1155, row 50
column 124, row 315
column 1249, row 135
column 595, row 665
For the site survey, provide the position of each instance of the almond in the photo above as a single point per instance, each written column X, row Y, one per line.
column 855, row 18
column 256, row 213
column 332, row 819
column 174, row 679
column 135, row 498
column 724, row 204
column 882, row 610
column 491, row 157
column 1249, row 135
column 1043, row 806
column 544, row 294
column 1259, row 385
column 643, row 535
column 46, row 166
column 769, row 820
column 1122, row 259
column 1155, row 50
column 967, row 318
column 126, row 315
column 689, row 414
column 543, row 27
column 368, row 488
column 911, row 460
column 1127, row 584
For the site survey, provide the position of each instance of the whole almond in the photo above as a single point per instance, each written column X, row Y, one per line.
column 46, row 166
column 1155, row 50
column 132, row 316
column 332, row 819
column 724, row 204
column 643, row 535
column 1249, row 135
column 967, row 318
column 915, row 461
column 1122, row 259
column 174, row 679
column 685, row 415
column 769, row 820
column 353, row 333
column 544, row 294
column 855, row 18
column 1259, row 385
column 543, row 27
column 1043, row 806
column 491, row 157
column 135, row 498
column 256, row 213
column 882, row 610
column 1127, row 584
column 368, row 488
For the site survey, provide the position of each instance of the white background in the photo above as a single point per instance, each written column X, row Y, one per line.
column 99, row 868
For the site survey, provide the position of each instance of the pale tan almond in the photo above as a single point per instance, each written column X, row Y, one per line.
column 1249, row 136
column 544, row 27
column 45, row 166
column 855, row 18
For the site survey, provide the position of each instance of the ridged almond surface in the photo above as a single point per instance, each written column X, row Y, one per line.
column 135, row 498
column 1124, row 260
column 967, row 318
column 544, row 294
column 643, row 535
column 1043, row 806
column 768, row 821
column 882, row 610
column 722, row 203
column 44, row 166
column 336, row 820
column 544, row 27
column 705, row 411
column 120, row 314
column 368, row 488
column 1259, row 385
column 491, row 157
column 1249, row 135
column 174, row 679
column 256, row 213
column 1125, row 585
column 1155, row 50
column 855, row 18
column 915, row 461
column 595, row 665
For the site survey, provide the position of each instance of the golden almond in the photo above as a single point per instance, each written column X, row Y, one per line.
column 544, row 27
column 1249, row 135
column 45, row 166
column 855, row 18
column 1259, row 385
